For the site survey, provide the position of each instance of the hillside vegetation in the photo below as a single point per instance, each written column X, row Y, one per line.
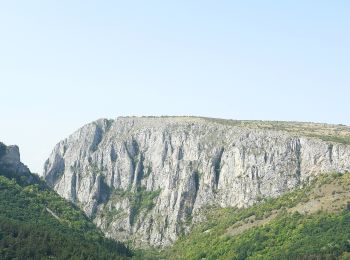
column 326, row 132
column 309, row 223
column 35, row 223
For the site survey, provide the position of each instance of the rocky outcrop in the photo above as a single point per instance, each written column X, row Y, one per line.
column 145, row 179
column 10, row 160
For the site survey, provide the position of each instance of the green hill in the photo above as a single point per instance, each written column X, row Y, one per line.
column 36, row 223
column 310, row 223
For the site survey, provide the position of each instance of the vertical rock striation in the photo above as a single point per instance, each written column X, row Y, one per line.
column 144, row 179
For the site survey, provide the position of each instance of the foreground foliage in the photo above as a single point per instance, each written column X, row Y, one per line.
column 35, row 223
column 288, row 235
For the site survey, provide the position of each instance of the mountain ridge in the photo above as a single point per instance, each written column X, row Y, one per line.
column 144, row 179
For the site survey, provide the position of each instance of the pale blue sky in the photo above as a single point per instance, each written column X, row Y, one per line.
column 66, row 63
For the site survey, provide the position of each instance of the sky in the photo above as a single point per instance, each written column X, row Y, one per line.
column 66, row 63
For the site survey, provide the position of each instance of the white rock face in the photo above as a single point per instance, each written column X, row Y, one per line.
column 143, row 179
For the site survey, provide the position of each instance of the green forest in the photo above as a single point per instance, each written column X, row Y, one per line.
column 35, row 223
column 284, row 234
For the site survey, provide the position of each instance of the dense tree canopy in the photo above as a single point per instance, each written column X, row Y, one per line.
column 36, row 223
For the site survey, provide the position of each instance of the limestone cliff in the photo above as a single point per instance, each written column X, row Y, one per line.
column 145, row 179
column 10, row 160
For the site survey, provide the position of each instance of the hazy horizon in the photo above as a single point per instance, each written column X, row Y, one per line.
column 64, row 64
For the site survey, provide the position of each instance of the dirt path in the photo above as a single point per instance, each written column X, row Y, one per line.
column 53, row 214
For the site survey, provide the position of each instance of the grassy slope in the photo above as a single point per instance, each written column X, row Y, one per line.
column 36, row 223
column 310, row 223
column 327, row 132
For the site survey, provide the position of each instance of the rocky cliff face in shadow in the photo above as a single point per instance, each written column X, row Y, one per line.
column 147, row 179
